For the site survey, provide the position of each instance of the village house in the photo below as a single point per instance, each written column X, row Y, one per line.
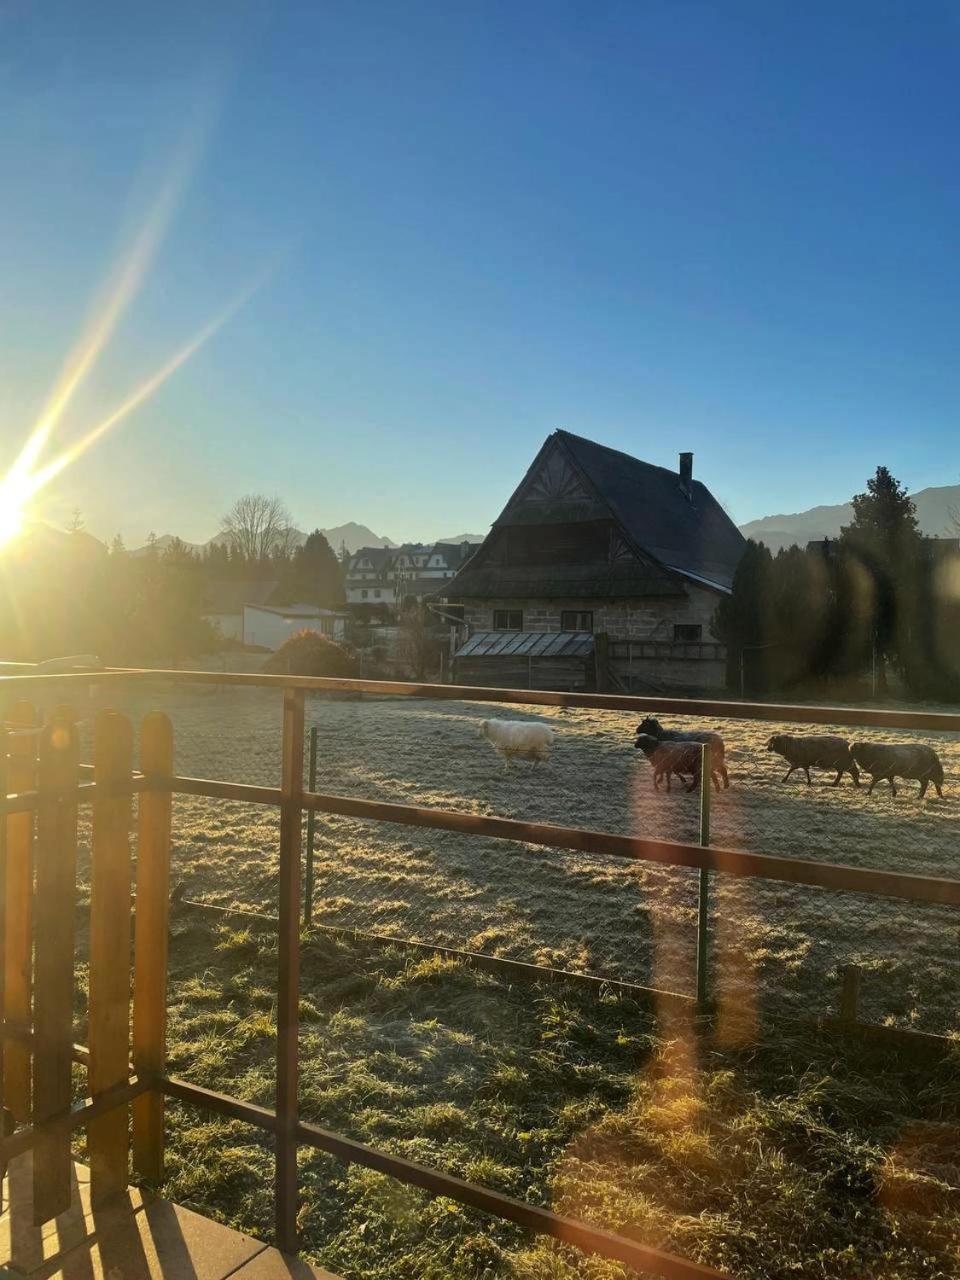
column 244, row 610
column 388, row 576
column 601, row 568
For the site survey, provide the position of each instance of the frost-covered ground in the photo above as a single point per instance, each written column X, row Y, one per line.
column 774, row 946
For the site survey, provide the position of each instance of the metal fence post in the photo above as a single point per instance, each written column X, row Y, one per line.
column 704, row 898
column 311, row 831
column 288, row 969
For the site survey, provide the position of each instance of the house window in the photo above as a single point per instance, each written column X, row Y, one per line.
column 687, row 633
column 576, row 620
column 508, row 619
column 376, row 595
column 364, row 594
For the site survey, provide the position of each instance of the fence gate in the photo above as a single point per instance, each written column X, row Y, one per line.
column 40, row 767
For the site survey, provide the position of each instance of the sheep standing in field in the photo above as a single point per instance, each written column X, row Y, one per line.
column 716, row 744
column 901, row 760
column 671, row 758
column 815, row 751
column 518, row 739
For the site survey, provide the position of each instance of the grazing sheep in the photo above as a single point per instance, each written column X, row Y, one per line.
column 815, row 751
column 718, row 749
column 670, row 758
column 520, row 739
column 901, row 760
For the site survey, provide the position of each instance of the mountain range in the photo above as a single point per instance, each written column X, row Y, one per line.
column 351, row 535
column 937, row 508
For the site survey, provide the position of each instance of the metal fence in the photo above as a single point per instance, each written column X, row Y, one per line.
column 585, row 846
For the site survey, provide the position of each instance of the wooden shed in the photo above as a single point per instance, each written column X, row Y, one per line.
column 527, row 660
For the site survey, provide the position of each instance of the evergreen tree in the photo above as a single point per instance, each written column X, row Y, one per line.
column 743, row 620
column 883, row 543
column 314, row 576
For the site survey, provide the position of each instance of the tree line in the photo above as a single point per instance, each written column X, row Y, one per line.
column 62, row 592
column 880, row 604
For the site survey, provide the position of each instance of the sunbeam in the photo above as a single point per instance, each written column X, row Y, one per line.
column 123, row 285
column 32, row 484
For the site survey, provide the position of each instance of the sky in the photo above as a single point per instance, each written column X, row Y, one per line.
column 726, row 228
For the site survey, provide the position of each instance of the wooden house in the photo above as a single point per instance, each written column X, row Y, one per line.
column 595, row 542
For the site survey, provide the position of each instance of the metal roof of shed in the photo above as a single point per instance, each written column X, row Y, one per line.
column 527, row 644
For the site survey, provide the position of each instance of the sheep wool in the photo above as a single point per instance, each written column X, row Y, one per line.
column 518, row 739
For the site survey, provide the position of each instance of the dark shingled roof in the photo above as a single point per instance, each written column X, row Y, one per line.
column 675, row 538
column 694, row 535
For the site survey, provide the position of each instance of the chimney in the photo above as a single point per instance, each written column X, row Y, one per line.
column 686, row 475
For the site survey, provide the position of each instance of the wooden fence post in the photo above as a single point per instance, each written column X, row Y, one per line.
column 108, row 1137
column 54, row 929
column 288, row 969
column 4, row 750
column 151, row 941
column 850, row 995
column 18, row 942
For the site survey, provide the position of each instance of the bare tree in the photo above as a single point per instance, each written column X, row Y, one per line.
column 257, row 526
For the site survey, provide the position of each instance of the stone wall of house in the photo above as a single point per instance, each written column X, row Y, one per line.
column 642, row 619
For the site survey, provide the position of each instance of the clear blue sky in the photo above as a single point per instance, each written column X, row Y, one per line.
column 730, row 228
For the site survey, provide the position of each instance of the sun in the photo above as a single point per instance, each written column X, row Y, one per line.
column 12, row 515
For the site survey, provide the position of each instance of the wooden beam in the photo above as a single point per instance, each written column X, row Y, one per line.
column 18, row 942
column 54, row 926
column 108, row 1138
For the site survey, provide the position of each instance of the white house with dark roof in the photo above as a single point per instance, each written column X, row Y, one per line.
column 224, row 599
column 268, row 626
column 386, row 576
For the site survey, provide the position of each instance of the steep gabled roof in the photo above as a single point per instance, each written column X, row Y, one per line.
column 378, row 557
column 667, row 536
column 694, row 535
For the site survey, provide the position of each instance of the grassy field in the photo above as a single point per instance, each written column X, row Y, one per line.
column 767, row 1154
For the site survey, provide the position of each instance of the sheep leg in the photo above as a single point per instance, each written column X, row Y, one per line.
column 786, row 776
column 923, row 787
column 716, row 781
column 873, row 783
column 893, row 785
column 854, row 773
column 807, row 771
column 939, row 789
column 836, row 781
column 725, row 776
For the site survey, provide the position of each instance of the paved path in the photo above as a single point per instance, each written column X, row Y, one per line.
column 137, row 1237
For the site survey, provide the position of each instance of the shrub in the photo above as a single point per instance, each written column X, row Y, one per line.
column 310, row 654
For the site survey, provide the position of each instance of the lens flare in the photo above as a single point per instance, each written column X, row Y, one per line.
column 11, row 518
column 25, row 480
column 26, row 476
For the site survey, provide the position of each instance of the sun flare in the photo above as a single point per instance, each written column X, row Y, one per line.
column 11, row 517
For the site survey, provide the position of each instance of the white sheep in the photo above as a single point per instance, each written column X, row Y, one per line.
column 518, row 739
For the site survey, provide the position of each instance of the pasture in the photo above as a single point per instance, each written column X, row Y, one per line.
column 775, row 947
column 768, row 1151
